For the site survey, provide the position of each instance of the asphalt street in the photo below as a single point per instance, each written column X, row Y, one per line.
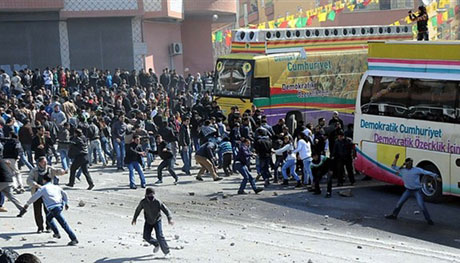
column 213, row 224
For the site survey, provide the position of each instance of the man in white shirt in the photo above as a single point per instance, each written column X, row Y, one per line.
column 54, row 199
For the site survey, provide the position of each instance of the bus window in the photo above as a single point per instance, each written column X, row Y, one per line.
column 433, row 100
column 261, row 87
column 385, row 96
column 234, row 78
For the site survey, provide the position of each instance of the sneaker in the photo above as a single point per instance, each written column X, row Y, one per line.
column 159, row 182
column 218, row 178
column 298, row 185
column 3, row 209
column 57, row 236
column 176, row 180
column 143, row 185
column 199, row 178
column 285, row 182
column 73, row 243
column 22, row 212
column 430, row 222
column 242, row 193
column 168, row 255
column 391, row 216
column 258, row 190
column 90, row 187
column 328, row 195
column 39, row 230
column 133, row 187
column 69, row 185
column 267, row 182
column 156, row 249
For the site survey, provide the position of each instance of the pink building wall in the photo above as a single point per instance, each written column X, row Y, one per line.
column 196, row 39
column 158, row 36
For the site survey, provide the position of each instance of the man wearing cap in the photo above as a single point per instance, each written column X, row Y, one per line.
column 152, row 213
column 411, row 177
column 335, row 119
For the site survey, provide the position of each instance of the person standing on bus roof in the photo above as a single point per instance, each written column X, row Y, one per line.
column 411, row 177
column 422, row 23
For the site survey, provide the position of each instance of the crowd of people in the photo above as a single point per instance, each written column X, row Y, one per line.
column 59, row 121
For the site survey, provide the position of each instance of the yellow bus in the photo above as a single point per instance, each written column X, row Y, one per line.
column 298, row 74
column 409, row 103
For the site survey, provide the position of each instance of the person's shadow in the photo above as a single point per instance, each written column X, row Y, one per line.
column 122, row 260
column 8, row 236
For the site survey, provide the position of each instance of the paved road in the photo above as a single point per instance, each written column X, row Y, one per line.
column 282, row 224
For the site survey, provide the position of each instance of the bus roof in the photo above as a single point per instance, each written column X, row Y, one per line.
column 413, row 56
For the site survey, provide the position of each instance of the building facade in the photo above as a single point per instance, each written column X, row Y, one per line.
column 109, row 34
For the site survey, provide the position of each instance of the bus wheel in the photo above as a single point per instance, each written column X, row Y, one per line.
column 431, row 187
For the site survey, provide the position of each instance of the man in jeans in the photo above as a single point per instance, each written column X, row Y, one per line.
column 118, row 136
column 63, row 148
column 54, row 199
column 411, row 177
column 242, row 164
column 165, row 153
column 185, row 142
column 205, row 156
column 152, row 213
column 35, row 182
column 95, row 143
column 133, row 160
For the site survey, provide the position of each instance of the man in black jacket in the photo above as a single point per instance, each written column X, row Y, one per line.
column 185, row 142
column 168, row 134
column 6, row 185
column 165, row 153
column 78, row 151
column 342, row 155
column 11, row 151
column 133, row 160
column 263, row 147
column 41, row 144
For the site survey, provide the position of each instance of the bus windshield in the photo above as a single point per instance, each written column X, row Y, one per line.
column 233, row 78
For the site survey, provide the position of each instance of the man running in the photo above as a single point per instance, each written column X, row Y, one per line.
column 411, row 177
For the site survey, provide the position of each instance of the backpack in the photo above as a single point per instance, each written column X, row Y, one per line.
column 8, row 256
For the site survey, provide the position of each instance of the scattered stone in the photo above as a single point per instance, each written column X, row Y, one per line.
column 244, row 227
column 176, row 237
column 81, row 203
column 213, row 198
column 283, row 226
column 326, row 217
column 225, row 203
column 191, row 193
column 112, row 203
column 79, row 223
column 232, row 244
column 121, row 204
column 310, row 261
column 93, row 205
column 326, row 228
column 23, row 239
column 224, row 196
column 416, row 212
column 359, row 247
column 222, row 237
column 275, row 194
column 346, row 193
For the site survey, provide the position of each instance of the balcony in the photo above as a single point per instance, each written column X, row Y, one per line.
column 206, row 7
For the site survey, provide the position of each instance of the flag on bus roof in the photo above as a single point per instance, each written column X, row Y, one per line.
column 322, row 16
column 331, row 15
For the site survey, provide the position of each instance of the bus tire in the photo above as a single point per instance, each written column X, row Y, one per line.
column 291, row 123
column 431, row 187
